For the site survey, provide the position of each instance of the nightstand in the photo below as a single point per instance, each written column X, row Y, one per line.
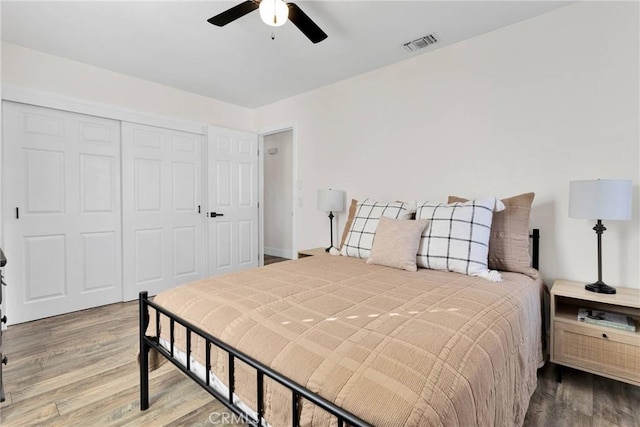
column 601, row 350
column 312, row 252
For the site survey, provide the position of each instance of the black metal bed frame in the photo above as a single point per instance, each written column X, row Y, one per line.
column 297, row 391
column 535, row 248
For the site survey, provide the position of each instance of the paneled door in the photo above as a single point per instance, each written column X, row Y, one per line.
column 232, row 214
column 162, row 213
column 61, row 211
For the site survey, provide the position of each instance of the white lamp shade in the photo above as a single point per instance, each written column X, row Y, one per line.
column 274, row 12
column 600, row 199
column 331, row 200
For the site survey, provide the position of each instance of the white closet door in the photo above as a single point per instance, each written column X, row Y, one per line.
column 162, row 229
column 232, row 182
column 61, row 199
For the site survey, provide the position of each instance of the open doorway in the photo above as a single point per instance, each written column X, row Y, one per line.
column 278, row 197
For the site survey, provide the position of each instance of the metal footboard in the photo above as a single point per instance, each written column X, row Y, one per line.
column 297, row 391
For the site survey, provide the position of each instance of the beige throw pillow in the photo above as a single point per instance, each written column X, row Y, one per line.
column 509, row 242
column 396, row 243
column 347, row 225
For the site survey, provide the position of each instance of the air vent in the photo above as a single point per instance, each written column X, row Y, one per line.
column 421, row 43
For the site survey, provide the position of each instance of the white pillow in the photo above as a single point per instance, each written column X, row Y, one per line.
column 359, row 239
column 457, row 238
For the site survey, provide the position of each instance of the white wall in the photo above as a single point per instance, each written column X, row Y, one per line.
column 37, row 71
column 278, row 194
column 524, row 108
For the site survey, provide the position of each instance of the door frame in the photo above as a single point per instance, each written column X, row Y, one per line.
column 296, row 185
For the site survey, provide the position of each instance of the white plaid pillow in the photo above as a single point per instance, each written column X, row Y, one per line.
column 457, row 238
column 365, row 221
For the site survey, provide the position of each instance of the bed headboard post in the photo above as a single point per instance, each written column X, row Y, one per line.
column 535, row 248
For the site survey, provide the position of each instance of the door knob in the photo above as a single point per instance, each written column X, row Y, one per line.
column 215, row 214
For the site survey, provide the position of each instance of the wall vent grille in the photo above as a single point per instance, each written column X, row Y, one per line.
column 421, row 43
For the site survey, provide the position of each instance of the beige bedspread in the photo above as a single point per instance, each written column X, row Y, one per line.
column 393, row 347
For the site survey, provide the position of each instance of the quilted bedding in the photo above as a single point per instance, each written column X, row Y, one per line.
column 395, row 348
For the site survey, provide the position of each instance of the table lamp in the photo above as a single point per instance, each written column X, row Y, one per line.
column 331, row 201
column 600, row 199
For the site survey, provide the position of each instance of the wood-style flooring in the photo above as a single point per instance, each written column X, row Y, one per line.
column 80, row 369
column 271, row 259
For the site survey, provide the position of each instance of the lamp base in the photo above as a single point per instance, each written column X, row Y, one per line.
column 600, row 287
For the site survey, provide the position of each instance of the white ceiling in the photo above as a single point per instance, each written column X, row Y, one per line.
column 172, row 43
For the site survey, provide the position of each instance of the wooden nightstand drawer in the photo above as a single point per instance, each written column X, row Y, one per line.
column 595, row 348
column 600, row 350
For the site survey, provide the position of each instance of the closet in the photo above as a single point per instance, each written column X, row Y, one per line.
column 162, row 212
column 96, row 209
column 61, row 203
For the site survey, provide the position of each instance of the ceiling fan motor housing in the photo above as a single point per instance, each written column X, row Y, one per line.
column 274, row 13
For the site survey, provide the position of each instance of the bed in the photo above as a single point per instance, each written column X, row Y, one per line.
column 332, row 340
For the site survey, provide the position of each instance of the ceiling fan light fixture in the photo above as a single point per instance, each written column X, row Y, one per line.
column 274, row 12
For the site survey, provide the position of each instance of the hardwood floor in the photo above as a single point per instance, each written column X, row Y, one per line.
column 582, row 399
column 270, row 259
column 80, row 369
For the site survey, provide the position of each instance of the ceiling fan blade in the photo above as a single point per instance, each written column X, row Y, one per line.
column 234, row 13
column 305, row 24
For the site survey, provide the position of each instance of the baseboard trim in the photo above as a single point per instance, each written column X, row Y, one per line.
column 282, row 253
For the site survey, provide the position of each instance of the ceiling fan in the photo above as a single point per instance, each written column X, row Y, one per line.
column 274, row 13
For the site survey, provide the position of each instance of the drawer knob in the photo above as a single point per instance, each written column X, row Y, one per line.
column 604, row 336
